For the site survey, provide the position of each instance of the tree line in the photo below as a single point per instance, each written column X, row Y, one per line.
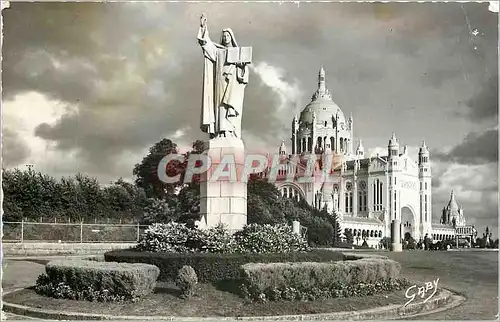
column 30, row 195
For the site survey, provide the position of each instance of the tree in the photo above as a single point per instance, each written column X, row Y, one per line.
column 336, row 227
column 188, row 201
column 182, row 199
column 124, row 198
column 146, row 172
column 385, row 242
column 349, row 237
column 159, row 211
column 265, row 205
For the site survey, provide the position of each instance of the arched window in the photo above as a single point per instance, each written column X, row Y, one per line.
column 362, row 197
column 332, row 142
column 348, row 197
column 290, row 192
column 377, row 195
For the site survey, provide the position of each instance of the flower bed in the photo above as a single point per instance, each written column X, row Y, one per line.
column 312, row 280
column 96, row 281
column 214, row 267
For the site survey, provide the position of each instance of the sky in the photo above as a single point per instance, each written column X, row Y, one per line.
column 89, row 87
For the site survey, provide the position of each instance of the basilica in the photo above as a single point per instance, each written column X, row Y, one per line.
column 367, row 192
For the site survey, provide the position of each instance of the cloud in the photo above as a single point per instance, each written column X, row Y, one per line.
column 493, row 7
column 273, row 77
column 15, row 150
column 372, row 152
column 91, row 86
column 476, row 148
column 483, row 105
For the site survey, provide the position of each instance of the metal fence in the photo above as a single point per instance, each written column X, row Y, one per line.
column 25, row 231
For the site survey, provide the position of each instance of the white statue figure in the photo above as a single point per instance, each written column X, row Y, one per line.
column 225, row 77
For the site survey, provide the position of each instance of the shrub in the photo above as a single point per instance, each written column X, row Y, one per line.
column 214, row 267
column 96, row 281
column 255, row 238
column 172, row 237
column 186, row 281
column 178, row 238
column 312, row 280
column 218, row 240
column 314, row 293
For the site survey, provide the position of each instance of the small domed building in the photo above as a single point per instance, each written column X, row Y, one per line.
column 452, row 222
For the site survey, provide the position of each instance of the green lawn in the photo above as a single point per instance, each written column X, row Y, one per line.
column 208, row 301
column 472, row 273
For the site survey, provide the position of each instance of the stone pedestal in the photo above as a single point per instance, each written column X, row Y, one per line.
column 396, row 245
column 296, row 227
column 223, row 193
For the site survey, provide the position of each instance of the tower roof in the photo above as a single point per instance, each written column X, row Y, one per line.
column 282, row 149
column 322, row 104
column 423, row 148
column 360, row 146
column 452, row 204
column 393, row 140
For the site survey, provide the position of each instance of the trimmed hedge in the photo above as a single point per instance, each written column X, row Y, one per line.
column 312, row 280
column 96, row 281
column 214, row 267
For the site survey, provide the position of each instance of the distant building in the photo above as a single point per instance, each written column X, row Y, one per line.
column 452, row 222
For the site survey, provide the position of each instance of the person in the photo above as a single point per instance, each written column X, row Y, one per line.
column 223, row 85
column 427, row 241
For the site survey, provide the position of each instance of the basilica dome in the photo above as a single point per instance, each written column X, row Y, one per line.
column 325, row 110
column 321, row 125
column 322, row 105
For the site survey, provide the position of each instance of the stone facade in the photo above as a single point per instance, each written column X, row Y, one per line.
column 367, row 192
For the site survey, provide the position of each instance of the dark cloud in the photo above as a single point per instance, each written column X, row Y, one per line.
column 134, row 70
column 484, row 104
column 14, row 150
column 476, row 148
column 102, row 134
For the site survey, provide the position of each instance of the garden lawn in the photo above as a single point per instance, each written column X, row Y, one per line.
column 209, row 301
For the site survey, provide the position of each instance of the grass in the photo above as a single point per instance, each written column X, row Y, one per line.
column 209, row 301
column 472, row 273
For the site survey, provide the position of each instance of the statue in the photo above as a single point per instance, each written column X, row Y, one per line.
column 225, row 76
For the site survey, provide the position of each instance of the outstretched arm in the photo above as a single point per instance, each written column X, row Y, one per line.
column 203, row 37
column 203, row 34
column 207, row 45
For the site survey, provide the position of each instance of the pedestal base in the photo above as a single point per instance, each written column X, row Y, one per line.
column 223, row 193
column 396, row 247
